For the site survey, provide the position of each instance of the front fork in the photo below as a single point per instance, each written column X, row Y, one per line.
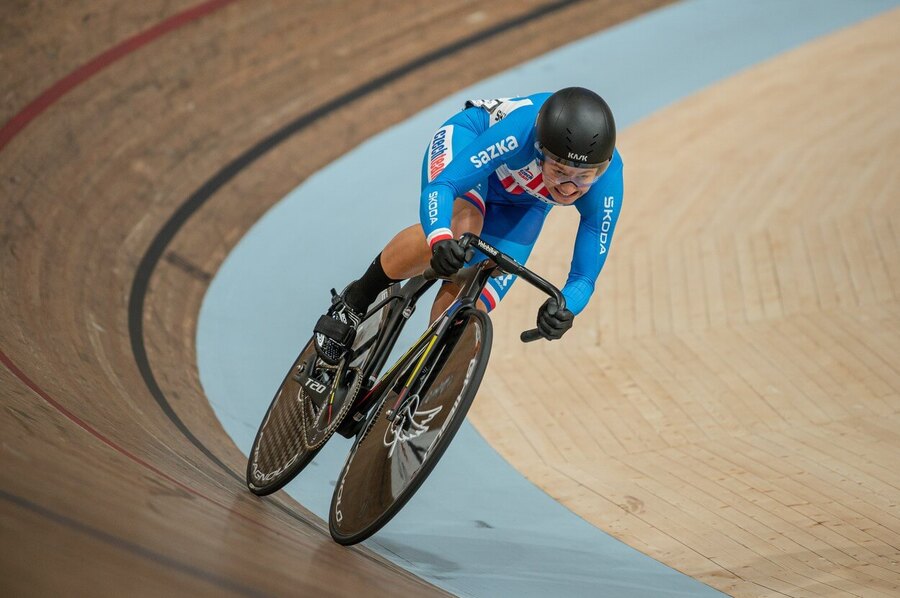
column 419, row 374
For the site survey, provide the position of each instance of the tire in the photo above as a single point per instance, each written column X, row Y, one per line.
column 294, row 430
column 390, row 460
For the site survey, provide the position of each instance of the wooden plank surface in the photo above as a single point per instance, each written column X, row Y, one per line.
column 110, row 486
column 735, row 384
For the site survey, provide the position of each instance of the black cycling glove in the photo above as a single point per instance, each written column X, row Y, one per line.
column 553, row 322
column 447, row 257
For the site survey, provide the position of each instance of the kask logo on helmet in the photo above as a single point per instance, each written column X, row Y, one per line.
column 494, row 151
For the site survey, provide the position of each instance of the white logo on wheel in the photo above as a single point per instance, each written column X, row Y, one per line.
column 418, row 424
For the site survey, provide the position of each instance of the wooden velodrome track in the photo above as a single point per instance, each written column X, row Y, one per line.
column 116, row 475
column 744, row 342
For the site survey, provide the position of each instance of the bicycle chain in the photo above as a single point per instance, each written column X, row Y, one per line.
column 348, row 402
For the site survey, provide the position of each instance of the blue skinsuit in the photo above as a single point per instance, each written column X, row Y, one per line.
column 486, row 155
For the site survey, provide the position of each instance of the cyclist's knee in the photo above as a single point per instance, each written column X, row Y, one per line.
column 466, row 218
column 407, row 254
column 446, row 293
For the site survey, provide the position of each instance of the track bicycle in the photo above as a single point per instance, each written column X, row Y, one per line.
column 403, row 420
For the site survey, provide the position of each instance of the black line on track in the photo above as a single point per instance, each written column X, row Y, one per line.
column 130, row 547
column 195, row 201
column 187, row 267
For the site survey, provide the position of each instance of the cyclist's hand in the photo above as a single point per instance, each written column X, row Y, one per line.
column 447, row 257
column 553, row 322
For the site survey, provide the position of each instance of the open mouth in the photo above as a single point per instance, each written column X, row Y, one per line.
column 563, row 196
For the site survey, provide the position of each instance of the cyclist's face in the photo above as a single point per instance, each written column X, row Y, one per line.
column 567, row 183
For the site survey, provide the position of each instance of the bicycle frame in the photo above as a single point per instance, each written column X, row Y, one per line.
column 471, row 282
column 378, row 483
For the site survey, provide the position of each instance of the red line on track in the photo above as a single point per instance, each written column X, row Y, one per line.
column 18, row 373
column 32, row 111
column 98, row 63
column 12, row 367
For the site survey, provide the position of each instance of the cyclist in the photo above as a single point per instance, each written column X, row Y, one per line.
column 496, row 169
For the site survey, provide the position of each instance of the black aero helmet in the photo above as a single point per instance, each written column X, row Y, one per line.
column 576, row 126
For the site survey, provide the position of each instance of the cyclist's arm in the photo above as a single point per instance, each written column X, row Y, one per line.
column 475, row 162
column 599, row 211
